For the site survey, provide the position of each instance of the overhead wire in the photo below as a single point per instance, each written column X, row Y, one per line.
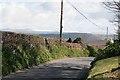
column 84, row 15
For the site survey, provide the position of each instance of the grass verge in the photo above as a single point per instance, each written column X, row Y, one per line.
column 103, row 67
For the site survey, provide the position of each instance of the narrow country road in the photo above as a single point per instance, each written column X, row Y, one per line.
column 69, row 68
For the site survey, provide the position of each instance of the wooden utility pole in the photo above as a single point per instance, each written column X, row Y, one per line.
column 118, row 20
column 119, row 24
column 107, row 34
column 61, row 21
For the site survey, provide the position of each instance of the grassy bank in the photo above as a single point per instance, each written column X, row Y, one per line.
column 103, row 67
column 106, row 64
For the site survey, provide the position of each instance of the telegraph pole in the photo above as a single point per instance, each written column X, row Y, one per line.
column 107, row 34
column 118, row 21
column 61, row 21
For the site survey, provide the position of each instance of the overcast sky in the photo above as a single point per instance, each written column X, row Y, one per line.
column 44, row 15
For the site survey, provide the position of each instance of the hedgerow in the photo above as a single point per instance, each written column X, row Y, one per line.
column 24, row 55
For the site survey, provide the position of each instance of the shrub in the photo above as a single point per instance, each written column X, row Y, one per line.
column 43, row 55
column 77, row 40
column 92, row 51
column 16, row 58
column 85, row 53
column 8, row 62
column 69, row 40
column 108, row 43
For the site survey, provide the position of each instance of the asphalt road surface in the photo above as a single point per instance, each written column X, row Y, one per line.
column 68, row 69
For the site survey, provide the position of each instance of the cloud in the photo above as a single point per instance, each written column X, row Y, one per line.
column 20, row 16
column 30, row 0
column 45, row 15
column 81, row 1
column 15, row 14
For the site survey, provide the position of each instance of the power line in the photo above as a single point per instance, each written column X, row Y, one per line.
column 83, row 15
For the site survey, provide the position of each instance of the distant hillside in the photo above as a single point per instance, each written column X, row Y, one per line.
column 55, row 34
column 86, row 37
column 103, row 36
column 96, row 40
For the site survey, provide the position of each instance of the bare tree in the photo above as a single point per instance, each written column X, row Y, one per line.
column 114, row 6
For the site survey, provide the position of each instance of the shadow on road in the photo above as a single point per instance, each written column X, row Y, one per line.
column 66, row 69
column 50, row 72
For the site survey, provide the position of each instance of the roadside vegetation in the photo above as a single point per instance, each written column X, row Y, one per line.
column 21, row 54
column 93, row 52
column 106, row 64
column 102, row 67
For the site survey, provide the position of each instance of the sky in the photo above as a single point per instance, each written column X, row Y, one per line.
column 44, row 15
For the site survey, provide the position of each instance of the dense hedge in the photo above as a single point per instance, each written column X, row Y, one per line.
column 25, row 55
